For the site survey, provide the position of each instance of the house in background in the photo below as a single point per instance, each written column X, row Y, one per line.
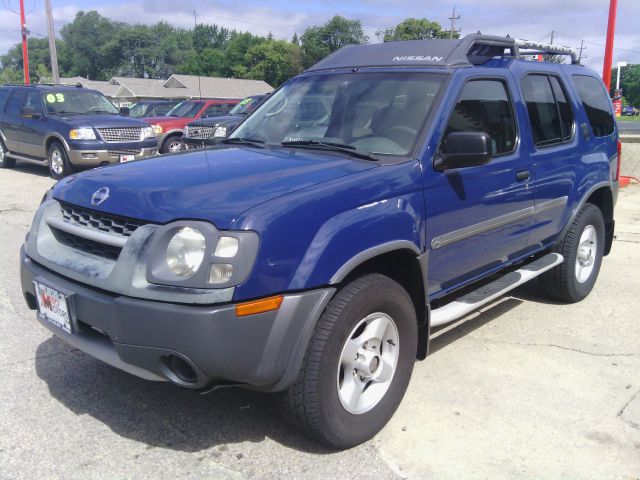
column 125, row 91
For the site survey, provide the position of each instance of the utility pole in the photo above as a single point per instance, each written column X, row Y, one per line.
column 52, row 43
column 608, row 50
column 553, row 34
column 582, row 48
column 453, row 19
column 25, row 51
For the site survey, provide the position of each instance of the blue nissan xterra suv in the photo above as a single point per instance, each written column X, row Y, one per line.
column 66, row 128
column 389, row 189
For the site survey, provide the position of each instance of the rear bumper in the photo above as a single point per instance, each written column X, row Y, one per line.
column 264, row 351
column 112, row 155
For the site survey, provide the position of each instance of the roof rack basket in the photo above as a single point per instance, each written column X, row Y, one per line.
column 480, row 48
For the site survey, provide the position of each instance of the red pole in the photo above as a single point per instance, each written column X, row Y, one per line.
column 608, row 51
column 25, row 51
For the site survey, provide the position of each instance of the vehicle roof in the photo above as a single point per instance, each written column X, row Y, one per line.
column 472, row 50
column 48, row 87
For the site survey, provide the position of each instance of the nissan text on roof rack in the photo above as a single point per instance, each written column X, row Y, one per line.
column 387, row 190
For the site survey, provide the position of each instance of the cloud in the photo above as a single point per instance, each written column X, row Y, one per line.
column 571, row 20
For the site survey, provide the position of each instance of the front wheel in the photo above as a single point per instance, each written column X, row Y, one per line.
column 357, row 365
column 582, row 248
column 59, row 166
column 172, row 144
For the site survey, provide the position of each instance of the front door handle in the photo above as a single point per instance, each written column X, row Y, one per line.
column 523, row 175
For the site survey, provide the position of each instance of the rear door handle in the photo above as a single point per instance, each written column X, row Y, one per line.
column 523, row 175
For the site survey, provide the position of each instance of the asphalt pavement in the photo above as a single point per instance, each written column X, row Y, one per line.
column 527, row 388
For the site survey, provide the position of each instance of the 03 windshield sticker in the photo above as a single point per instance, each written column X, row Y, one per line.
column 55, row 97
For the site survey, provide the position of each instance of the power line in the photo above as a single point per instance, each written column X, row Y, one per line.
column 598, row 44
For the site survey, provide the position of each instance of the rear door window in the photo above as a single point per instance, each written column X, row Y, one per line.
column 215, row 110
column 15, row 102
column 596, row 103
column 544, row 115
column 485, row 106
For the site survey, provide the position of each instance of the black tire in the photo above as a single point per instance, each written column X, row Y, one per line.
column 170, row 142
column 58, row 170
column 4, row 161
column 312, row 402
column 561, row 282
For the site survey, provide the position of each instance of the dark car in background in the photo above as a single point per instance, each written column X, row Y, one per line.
column 152, row 108
column 211, row 130
column 169, row 128
column 67, row 127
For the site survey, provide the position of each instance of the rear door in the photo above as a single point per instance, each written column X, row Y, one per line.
column 478, row 217
column 554, row 148
column 11, row 120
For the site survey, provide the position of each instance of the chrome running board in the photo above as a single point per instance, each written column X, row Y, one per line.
column 475, row 299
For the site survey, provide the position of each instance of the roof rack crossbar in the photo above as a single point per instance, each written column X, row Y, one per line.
column 547, row 48
column 479, row 47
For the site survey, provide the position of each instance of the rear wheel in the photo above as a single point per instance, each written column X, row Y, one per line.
column 357, row 365
column 5, row 162
column 59, row 166
column 582, row 248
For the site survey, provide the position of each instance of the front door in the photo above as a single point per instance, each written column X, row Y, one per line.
column 33, row 128
column 478, row 217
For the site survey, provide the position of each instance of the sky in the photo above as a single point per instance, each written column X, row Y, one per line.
column 571, row 20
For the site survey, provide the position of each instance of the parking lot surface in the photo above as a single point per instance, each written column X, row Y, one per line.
column 527, row 388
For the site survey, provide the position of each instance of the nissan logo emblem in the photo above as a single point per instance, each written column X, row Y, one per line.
column 99, row 196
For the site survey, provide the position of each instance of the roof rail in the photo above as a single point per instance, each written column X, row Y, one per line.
column 546, row 48
column 480, row 48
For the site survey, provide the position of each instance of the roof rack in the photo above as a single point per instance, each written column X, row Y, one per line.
column 474, row 49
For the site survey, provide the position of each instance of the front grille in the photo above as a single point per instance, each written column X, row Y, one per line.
column 86, row 245
column 124, row 151
column 99, row 221
column 115, row 135
column 199, row 132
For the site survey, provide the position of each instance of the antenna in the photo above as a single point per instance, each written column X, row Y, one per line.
column 195, row 32
column 453, row 19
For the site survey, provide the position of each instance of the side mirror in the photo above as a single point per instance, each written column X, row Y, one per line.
column 464, row 149
column 124, row 111
column 28, row 112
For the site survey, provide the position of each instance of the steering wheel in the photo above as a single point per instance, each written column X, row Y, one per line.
column 402, row 135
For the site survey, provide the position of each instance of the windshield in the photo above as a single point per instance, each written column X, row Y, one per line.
column 78, row 101
column 371, row 113
column 185, row 109
column 246, row 106
column 138, row 110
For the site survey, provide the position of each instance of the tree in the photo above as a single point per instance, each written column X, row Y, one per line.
column 273, row 61
column 11, row 75
column 417, row 29
column 38, row 56
column 629, row 83
column 319, row 41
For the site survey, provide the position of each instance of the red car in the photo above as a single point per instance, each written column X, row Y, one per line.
column 169, row 128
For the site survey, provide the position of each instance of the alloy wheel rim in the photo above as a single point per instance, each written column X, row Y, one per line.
column 175, row 147
column 586, row 256
column 368, row 362
column 56, row 162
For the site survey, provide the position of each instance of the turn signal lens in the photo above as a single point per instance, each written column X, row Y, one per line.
column 259, row 306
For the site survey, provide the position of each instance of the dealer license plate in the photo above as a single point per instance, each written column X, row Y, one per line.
column 127, row 158
column 53, row 306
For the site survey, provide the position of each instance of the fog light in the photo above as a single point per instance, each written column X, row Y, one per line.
column 220, row 273
column 227, row 247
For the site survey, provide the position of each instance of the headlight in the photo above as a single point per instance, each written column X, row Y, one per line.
column 84, row 133
column 157, row 129
column 220, row 132
column 185, row 252
column 227, row 247
column 148, row 132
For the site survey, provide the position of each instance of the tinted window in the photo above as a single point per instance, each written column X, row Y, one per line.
column 185, row 109
column 484, row 106
column 32, row 101
column 215, row 110
column 566, row 114
column 4, row 93
column 596, row 104
column 162, row 109
column 544, row 116
column 15, row 102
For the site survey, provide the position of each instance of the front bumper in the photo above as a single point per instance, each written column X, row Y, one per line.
column 93, row 157
column 262, row 351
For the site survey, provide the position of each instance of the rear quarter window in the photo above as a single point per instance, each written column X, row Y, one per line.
column 596, row 104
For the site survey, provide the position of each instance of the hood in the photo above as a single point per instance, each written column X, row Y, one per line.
column 100, row 121
column 221, row 120
column 168, row 122
column 213, row 185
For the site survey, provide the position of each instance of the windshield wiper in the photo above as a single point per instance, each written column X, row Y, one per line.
column 337, row 147
column 244, row 141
